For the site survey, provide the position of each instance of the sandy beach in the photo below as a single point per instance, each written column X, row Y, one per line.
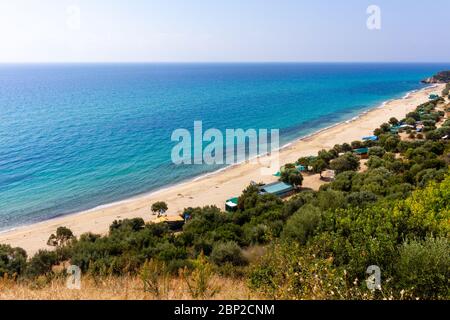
column 216, row 188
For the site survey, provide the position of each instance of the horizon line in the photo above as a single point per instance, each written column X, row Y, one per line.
column 218, row 62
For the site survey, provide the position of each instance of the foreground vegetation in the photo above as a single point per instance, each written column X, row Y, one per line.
column 394, row 213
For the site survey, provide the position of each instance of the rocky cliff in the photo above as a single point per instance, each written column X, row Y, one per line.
column 441, row 77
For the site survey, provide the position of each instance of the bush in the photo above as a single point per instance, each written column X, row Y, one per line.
column 12, row 260
column 292, row 176
column 259, row 234
column 390, row 143
column 360, row 199
column 228, row 252
column 377, row 151
column 428, row 175
column 423, row 269
column 326, row 156
column 305, row 161
column 385, row 127
column 347, row 162
column 159, row 208
column 343, row 181
column 63, row 237
column 199, row 280
column 393, row 121
column 290, row 272
column 357, row 144
column 319, row 165
column 41, row 263
column 132, row 225
column 303, row 224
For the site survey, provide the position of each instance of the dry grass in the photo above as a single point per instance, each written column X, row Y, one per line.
column 118, row 288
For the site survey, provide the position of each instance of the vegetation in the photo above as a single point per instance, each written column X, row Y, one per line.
column 159, row 208
column 441, row 77
column 62, row 237
column 291, row 176
column 347, row 162
column 446, row 90
column 393, row 213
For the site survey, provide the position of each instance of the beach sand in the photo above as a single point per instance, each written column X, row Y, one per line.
column 216, row 188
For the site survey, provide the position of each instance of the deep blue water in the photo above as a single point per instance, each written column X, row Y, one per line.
column 73, row 137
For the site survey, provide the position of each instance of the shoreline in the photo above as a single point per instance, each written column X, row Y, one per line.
column 218, row 171
column 212, row 173
column 34, row 236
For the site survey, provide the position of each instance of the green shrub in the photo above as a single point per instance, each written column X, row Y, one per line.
column 133, row 225
column 423, row 269
column 303, row 224
column 377, row 151
column 346, row 162
column 292, row 176
column 41, row 263
column 259, row 234
column 228, row 252
column 362, row 198
column 63, row 237
column 288, row 271
column 12, row 260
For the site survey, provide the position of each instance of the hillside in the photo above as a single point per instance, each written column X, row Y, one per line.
column 388, row 205
column 441, row 77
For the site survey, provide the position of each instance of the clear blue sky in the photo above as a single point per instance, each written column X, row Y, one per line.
column 225, row 30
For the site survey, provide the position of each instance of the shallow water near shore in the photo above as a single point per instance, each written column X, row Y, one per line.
column 73, row 137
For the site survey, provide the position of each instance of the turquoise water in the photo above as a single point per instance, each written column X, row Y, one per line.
column 73, row 137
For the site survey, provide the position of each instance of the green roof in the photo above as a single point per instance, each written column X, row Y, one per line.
column 233, row 200
column 361, row 151
column 277, row 188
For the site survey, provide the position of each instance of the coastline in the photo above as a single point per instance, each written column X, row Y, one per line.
column 215, row 187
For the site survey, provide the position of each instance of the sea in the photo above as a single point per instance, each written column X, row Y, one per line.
column 77, row 136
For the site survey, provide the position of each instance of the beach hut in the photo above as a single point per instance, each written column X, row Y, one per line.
column 231, row 205
column 370, row 138
column 279, row 189
column 175, row 223
column 395, row 129
column 362, row 152
column 434, row 96
column 328, row 175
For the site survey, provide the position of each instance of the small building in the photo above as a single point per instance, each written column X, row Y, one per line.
column 362, row 152
column 434, row 96
column 175, row 223
column 395, row 129
column 279, row 189
column 231, row 205
column 370, row 138
column 328, row 175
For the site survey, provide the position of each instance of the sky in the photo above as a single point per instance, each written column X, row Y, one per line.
column 223, row 31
